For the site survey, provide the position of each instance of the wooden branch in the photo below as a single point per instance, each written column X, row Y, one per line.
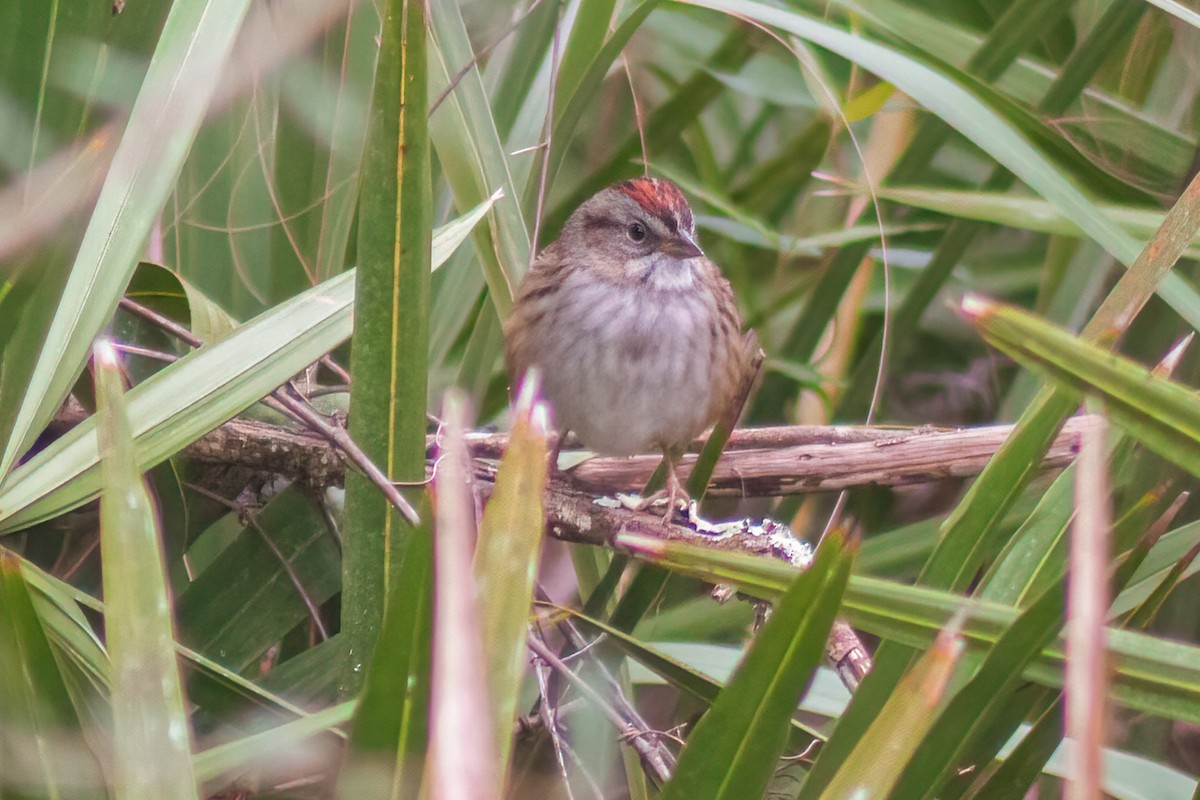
column 758, row 462
column 889, row 457
column 575, row 516
column 295, row 405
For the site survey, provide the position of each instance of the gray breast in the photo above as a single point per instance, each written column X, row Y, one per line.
column 629, row 371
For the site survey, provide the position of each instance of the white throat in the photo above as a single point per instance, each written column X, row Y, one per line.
column 664, row 273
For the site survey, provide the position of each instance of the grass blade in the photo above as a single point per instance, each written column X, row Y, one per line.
column 151, row 731
column 1160, row 413
column 874, row 766
column 732, row 753
column 461, row 712
column 1087, row 606
column 170, row 106
column 389, row 733
column 389, row 356
column 35, row 704
column 269, row 745
column 506, row 558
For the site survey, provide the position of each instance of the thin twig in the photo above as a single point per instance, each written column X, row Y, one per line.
column 623, row 726
column 169, row 325
column 548, row 713
column 299, row 408
column 474, row 62
column 250, row 520
column 341, row 438
column 657, row 757
column 533, row 723
column 638, row 119
column 336, row 368
column 145, row 352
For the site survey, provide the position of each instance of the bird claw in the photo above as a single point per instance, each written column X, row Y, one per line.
column 676, row 502
column 631, row 502
column 674, row 495
column 688, row 509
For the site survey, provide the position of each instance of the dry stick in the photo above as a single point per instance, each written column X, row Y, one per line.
column 484, row 444
column 645, row 751
column 300, row 409
column 249, row 519
column 659, row 758
column 850, row 658
column 899, row 458
column 548, row 715
column 574, row 516
column 757, row 462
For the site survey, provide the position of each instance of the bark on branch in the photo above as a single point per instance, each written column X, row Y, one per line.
column 758, row 461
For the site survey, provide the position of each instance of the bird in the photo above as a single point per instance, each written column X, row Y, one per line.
column 634, row 330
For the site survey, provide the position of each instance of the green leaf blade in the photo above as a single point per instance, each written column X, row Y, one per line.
column 732, row 753
column 151, row 731
column 389, row 354
column 506, row 559
column 1160, row 413
column 170, row 107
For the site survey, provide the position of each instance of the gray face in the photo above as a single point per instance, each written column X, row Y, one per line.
column 627, row 237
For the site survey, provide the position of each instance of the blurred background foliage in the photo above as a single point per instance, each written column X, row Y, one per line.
column 855, row 167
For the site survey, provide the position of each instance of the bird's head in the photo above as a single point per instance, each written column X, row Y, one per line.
column 637, row 230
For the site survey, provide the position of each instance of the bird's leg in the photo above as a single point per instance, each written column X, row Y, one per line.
column 677, row 493
column 553, row 470
column 674, row 492
column 556, row 450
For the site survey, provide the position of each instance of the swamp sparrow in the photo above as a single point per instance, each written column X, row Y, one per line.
column 635, row 332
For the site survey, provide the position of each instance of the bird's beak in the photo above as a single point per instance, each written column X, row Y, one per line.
column 683, row 246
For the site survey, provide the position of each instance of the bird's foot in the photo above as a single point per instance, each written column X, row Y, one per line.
column 662, row 498
column 674, row 495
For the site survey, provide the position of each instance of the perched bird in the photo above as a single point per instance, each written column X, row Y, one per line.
column 634, row 330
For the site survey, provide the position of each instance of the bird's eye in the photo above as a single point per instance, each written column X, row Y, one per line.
column 637, row 232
